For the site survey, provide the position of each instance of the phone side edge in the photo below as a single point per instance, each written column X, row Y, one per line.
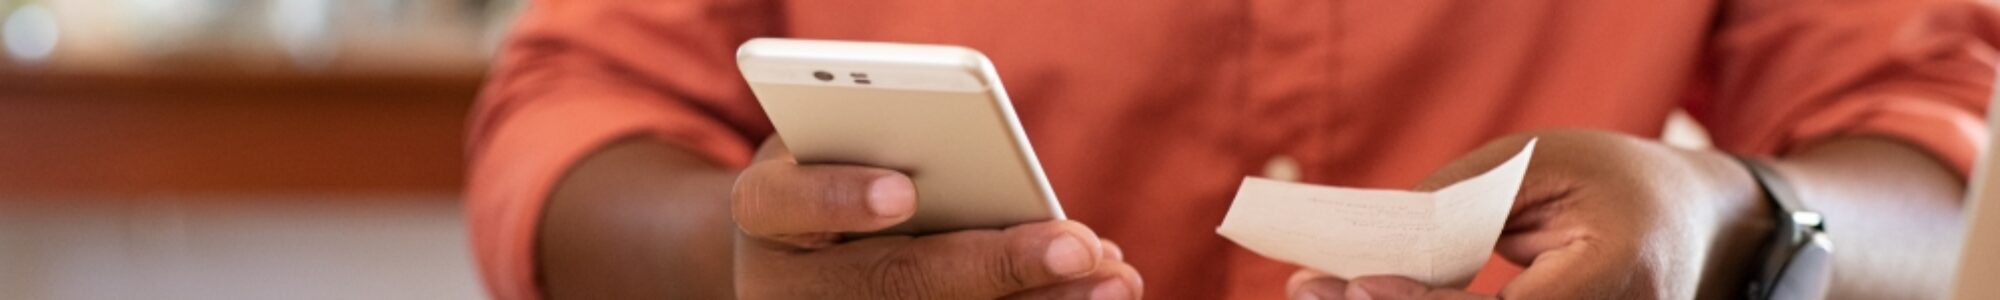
column 1004, row 105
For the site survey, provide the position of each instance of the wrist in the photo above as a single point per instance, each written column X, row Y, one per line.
column 1799, row 243
column 1742, row 224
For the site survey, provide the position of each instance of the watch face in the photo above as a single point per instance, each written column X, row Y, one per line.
column 1810, row 271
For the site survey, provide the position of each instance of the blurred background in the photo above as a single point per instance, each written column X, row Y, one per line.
column 247, row 149
column 203, row 149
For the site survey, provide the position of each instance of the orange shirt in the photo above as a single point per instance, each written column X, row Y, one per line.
column 1147, row 114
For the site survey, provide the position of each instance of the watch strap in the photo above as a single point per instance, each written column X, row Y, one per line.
column 1797, row 228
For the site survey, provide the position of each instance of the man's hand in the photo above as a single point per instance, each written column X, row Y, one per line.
column 791, row 217
column 1602, row 216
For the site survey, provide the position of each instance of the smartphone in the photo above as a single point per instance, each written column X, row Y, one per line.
column 937, row 113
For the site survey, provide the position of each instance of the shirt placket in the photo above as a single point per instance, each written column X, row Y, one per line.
column 1290, row 64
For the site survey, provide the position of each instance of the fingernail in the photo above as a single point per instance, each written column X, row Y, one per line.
column 891, row 196
column 1110, row 290
column 1067, row 257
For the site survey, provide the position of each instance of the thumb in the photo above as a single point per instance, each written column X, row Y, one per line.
column 1400, row 288
column 971, row 264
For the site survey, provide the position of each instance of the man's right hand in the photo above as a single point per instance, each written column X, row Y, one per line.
column 791, row 217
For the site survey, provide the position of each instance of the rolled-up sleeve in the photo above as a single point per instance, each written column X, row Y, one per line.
column 576, row 75
column 1788, row 73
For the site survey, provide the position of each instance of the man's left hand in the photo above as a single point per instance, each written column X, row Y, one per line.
column 1601, row 215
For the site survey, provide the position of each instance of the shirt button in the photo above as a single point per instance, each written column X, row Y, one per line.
column 1282, row 168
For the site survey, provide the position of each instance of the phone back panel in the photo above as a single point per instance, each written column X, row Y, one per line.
column 972, row 165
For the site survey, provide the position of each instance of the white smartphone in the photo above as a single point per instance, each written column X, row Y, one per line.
column 937, row 113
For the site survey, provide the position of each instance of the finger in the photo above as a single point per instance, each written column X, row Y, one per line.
column 773, row 148
column 1575, row 268
column 1540, row 185
column 974, row 264
column 1401, row 288
column 1113, row 281
column 1560, row 239
column 774, row 199
column 1570, row 252
column 1313, row 285
column 1480, row 160
column 1111, row 250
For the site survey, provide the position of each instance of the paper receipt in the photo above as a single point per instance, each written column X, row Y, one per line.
column 1440, row 238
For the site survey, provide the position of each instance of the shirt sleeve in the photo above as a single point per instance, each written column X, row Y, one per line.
column 1788, row 73
column 576, row 75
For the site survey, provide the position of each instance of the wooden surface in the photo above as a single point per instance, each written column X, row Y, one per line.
column 208, row 246
column 232, row 132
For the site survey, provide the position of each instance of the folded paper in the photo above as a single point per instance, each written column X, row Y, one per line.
column 1440, row 238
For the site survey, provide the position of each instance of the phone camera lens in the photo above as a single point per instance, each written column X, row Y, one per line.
column 823, row 75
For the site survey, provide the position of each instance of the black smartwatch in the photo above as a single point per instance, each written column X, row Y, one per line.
column 1797, row 261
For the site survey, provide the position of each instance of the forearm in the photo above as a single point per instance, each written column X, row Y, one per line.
column 639, row 219
column 1892, row 211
